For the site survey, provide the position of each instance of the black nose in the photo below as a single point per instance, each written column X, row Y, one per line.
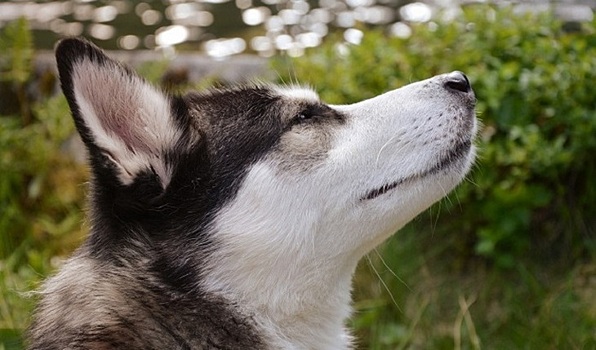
column 458, row 81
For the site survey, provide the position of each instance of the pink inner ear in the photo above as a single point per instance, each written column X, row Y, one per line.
column 126, row 117
column 117, row 108
column 117, row 101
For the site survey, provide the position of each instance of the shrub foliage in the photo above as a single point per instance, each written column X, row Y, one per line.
column 40, row 193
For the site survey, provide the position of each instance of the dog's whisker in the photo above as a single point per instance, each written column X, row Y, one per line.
column 391, row 270
column 384, row 284
column 383, row 148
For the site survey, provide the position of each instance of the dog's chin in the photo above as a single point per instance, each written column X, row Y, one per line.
column 457, row 157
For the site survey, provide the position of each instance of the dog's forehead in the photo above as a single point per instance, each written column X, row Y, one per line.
column 252, row 105
column 243, row 96
column 262, row 92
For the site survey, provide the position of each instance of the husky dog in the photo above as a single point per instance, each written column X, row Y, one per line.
column 234, row 219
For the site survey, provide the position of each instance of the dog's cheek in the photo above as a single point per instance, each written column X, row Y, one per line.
column 302, row 149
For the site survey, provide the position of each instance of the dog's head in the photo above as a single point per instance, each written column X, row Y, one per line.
column 264, row 173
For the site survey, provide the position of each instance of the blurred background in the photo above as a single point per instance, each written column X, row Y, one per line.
column 222, row 28
column 507, row 261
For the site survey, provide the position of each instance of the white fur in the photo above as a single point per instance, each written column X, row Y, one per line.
column 290, row 242
column 297, row 92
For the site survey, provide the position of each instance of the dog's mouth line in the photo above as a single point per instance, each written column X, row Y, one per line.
column 454, row 155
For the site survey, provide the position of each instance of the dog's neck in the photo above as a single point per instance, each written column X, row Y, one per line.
column 286, row 264
column 297, row 303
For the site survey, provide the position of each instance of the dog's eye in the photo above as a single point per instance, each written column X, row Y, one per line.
column 304, row 116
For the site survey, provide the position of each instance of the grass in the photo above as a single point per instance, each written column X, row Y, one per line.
column 410, row 297
column 14, row 305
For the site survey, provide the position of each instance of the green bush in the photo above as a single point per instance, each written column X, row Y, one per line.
column 40, row 194
column 534, row 186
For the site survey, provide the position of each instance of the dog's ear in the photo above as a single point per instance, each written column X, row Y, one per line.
column 125, row 122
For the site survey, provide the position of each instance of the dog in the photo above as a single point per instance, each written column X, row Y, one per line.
column 234, row 218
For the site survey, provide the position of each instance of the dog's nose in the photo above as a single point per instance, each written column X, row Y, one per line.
column 458, row 81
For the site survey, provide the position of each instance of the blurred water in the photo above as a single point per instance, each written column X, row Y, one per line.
column 223, row 28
